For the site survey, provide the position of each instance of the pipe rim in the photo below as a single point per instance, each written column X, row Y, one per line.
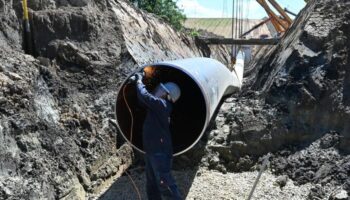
column 164, row 64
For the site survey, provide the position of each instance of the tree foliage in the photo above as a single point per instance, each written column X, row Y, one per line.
column 166, row 9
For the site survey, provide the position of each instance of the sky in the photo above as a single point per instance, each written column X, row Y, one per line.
column 223, row 8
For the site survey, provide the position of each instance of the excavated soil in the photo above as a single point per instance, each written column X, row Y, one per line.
column 295, row 105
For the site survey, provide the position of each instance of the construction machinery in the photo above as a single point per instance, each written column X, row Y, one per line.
column 282, row 22
column 28, row 42
column 290, row 12
column 238, row 42
column 27, row 35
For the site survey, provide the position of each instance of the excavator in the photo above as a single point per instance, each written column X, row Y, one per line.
column 281, row 22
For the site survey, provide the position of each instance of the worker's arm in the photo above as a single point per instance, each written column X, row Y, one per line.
column 147, row 98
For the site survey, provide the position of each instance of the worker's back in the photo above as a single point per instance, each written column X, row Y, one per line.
column 156, row 131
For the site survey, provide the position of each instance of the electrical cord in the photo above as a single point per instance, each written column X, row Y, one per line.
column 131, row 133
column 134, row 184
column 131, row 115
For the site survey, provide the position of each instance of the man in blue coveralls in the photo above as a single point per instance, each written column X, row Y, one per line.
column 157, row 138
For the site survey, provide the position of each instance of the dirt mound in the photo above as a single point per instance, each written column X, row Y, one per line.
column 299, row 90
column 296, row 94
column 319, row 163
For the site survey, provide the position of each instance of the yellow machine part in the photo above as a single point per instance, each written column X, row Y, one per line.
column 25, row 10
column 281, row 25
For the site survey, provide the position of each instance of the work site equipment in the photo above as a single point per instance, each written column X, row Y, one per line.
column 204, row 82
column 27, row 33
column 262, row 169
column 290, row 12
column 281, row 23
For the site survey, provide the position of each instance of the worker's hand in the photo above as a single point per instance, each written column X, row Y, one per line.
column 136, row 77
column 139, row 76
column 132, row 79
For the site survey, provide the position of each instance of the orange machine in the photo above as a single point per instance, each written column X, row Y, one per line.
column 281, row 23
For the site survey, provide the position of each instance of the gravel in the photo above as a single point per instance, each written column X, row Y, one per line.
column 209, row 184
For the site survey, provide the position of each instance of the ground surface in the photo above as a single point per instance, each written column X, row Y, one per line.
column 208, row 185
column 310, row 172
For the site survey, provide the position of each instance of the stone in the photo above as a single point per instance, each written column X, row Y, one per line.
column 339, row 195
column 28, row 142
column 281, row 181
column 44, row 61
column 329, row 140
column 13, row 76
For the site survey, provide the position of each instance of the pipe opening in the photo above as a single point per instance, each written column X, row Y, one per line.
column 188, row 116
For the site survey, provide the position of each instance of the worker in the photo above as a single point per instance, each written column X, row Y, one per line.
column 156, row 135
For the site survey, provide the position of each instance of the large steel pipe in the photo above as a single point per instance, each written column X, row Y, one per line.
column 203, row 82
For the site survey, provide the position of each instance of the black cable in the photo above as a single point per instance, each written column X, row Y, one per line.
column 131, row 133
column 232, row 34
column 236, row 29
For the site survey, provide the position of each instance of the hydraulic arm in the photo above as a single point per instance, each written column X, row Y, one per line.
column 281, row 23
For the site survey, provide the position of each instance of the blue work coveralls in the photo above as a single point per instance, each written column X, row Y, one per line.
column 157, row 145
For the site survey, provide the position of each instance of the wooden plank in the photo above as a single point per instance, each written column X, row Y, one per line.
column 239, row 41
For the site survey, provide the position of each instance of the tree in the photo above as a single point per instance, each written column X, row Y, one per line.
column 166, row 9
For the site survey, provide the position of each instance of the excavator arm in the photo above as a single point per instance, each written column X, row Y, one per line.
column 281, row 23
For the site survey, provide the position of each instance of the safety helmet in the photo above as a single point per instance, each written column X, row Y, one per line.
column 173, row 91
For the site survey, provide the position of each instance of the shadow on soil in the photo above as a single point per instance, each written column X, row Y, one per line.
column 184, row 170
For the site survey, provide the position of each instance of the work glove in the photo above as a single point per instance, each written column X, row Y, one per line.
column 139, row 76
column 136, row 77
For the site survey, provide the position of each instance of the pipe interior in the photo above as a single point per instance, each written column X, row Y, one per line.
column 188, row 116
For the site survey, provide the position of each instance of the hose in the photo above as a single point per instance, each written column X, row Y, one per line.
column 134, row 184
column 131, row 133
column 131, row 115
